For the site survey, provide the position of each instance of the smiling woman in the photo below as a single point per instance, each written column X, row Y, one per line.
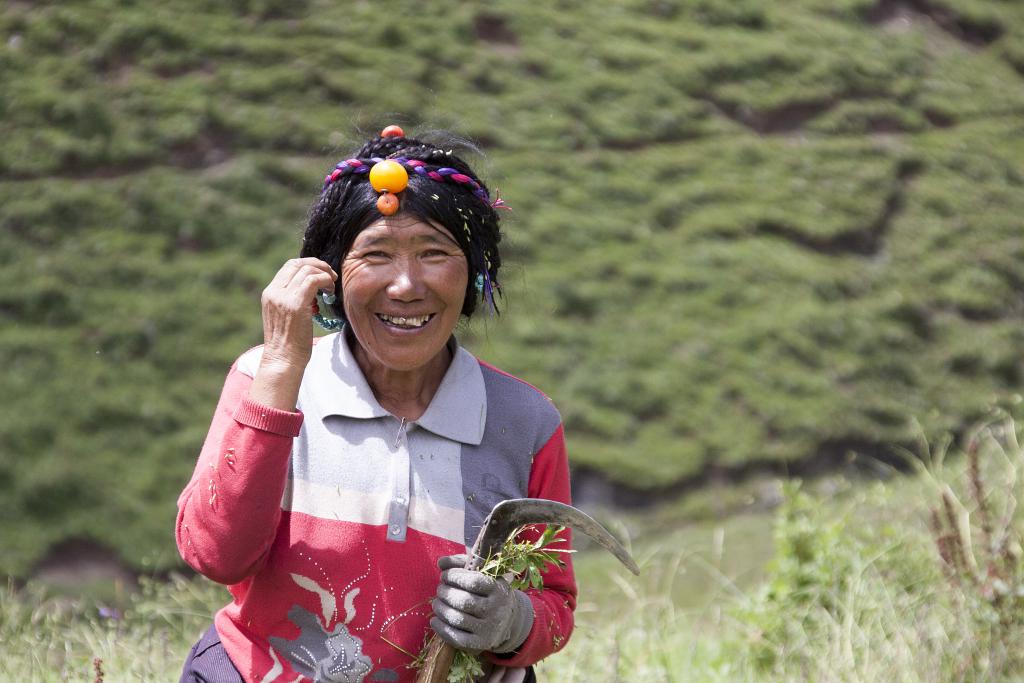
column 344, row 477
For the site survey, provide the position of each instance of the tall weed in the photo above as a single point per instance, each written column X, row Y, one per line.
column 978, row 532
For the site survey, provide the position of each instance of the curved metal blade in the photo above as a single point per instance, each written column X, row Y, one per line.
column 509, row 515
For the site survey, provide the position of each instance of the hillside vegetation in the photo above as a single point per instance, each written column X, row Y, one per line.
column 744, row 234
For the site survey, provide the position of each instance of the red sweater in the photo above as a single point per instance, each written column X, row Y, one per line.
column 327, row 523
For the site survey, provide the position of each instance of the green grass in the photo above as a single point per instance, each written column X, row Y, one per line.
column 842, row 582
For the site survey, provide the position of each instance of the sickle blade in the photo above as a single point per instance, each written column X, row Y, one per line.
column 509, row 515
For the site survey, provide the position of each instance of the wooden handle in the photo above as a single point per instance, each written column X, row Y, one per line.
column 437, row 663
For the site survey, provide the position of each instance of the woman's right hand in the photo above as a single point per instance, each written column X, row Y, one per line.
column 288, row 329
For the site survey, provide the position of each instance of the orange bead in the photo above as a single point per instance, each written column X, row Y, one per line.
column 392, row 132
column 387, row 204
column 389, row 176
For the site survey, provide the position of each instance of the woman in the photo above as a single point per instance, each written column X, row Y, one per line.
column 343, row 476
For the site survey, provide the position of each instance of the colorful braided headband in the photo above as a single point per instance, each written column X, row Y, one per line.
column 391, row 176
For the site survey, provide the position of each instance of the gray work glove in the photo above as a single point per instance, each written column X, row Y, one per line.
column 475, row 612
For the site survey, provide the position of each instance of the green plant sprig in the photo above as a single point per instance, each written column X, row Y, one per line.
column 521, row 562
column 518, row 562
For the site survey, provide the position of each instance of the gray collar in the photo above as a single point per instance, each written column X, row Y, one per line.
column 335, row 385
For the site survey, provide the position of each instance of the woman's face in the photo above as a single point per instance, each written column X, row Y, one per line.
column 403, row 284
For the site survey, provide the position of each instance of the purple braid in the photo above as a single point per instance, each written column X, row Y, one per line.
column 439, row 174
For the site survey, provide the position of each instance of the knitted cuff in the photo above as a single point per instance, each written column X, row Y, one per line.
column 273, row 420
column 522, row 624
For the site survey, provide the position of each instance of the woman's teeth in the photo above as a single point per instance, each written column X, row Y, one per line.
column 398, row 321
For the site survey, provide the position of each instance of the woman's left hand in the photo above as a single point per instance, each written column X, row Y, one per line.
column 476, row 612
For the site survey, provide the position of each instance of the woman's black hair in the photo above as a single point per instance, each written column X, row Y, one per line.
column 348, row 205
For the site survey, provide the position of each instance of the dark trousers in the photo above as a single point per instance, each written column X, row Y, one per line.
column 209, row 663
